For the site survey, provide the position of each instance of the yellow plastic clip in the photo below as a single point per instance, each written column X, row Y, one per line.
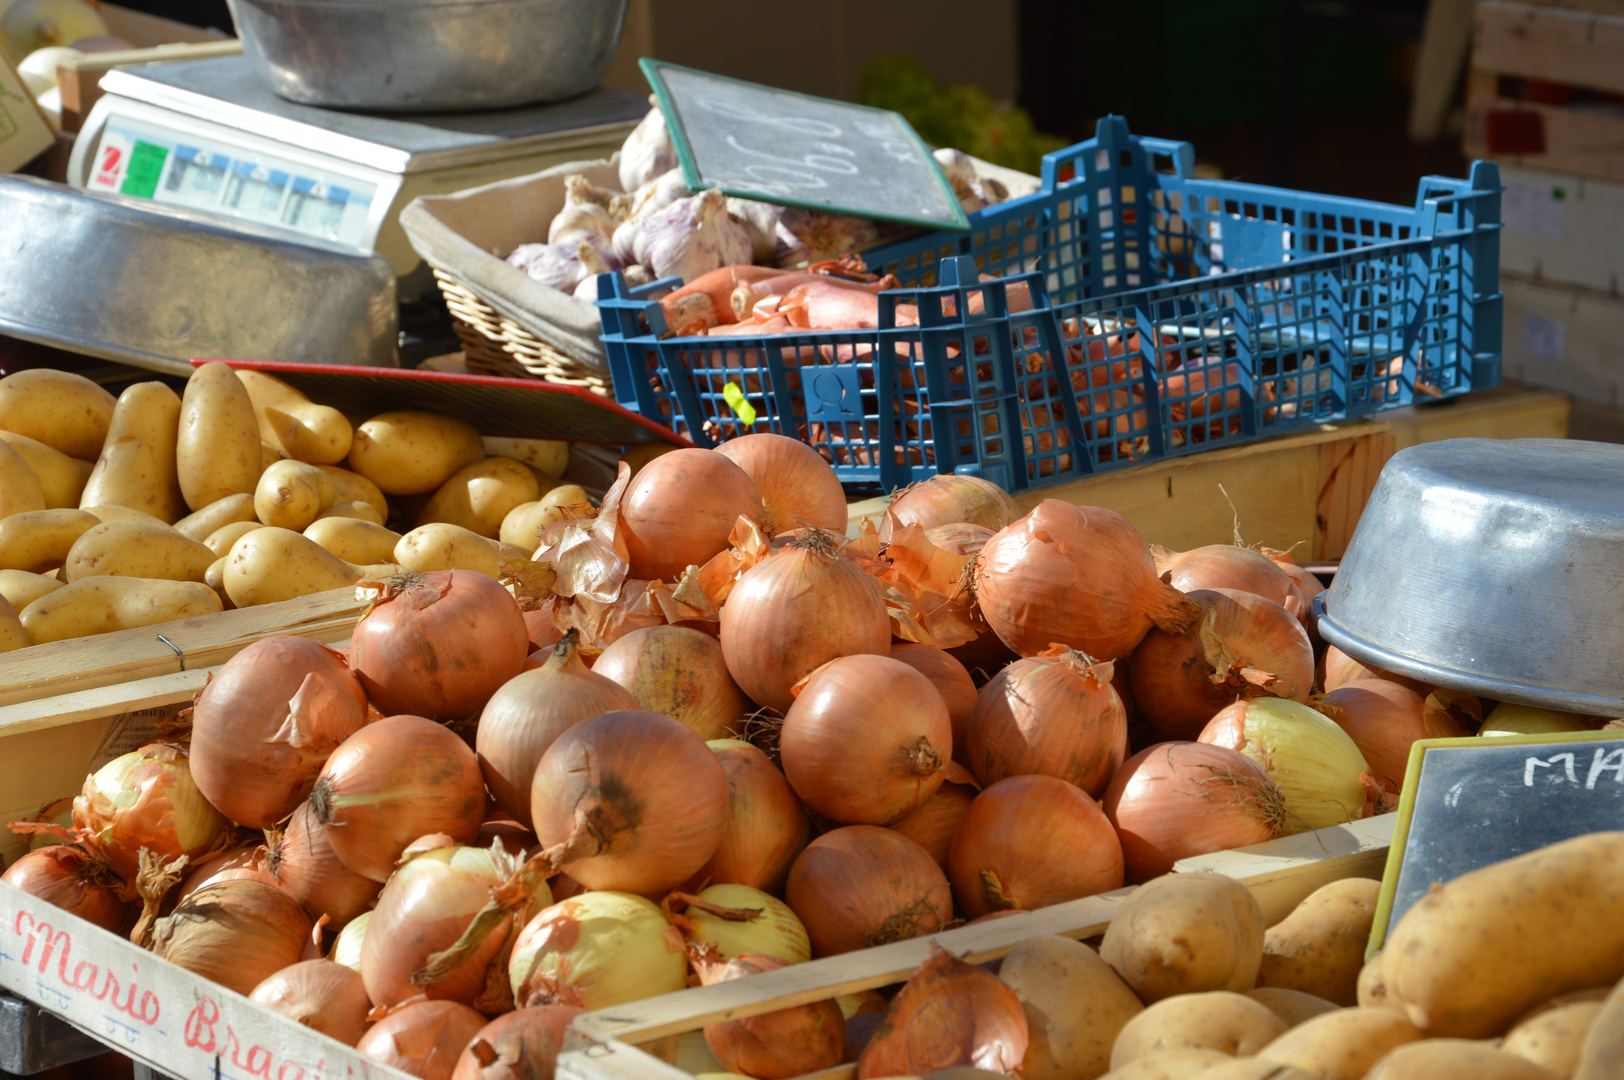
column 736, row 401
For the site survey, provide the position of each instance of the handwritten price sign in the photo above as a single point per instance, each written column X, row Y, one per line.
column 150, row 1009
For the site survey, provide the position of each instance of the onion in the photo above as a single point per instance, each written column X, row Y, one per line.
column 949, row 1014
column 866, row 741
column 66, row 876
column 774, row 932
column 1053, row 715
column 951, row 680
column 319, row 994
column 1318, row 769
column 798, row 488
column 680, row 509
column 796, row 610
column 780, row 1044
column 303, row 864
column 55, row 812
column 266, row 721
column 522, row 1045
column 438, row 644
column 766, row 826
column 629, row 800
column 595, row 950
column 953, row 499
column 1245, row 646
column 425, row 1038
column 961, row 537
column 1226, row 566
column 934, row 824
column 1077, row 575
column 1179, row 799
column 347, row 945
column 1338, row 669
column 514, row 837
column 248, row 863
column 1385, row 719
column 677, row 672
column 1032, row 841
column 235, row 933
column 395, row 780
column 1509, row 718
column 533, row 708
column 145, row 799
column 861, row 886
column 1308, row 583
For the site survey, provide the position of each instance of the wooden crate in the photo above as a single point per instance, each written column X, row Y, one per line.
column 611, row 1044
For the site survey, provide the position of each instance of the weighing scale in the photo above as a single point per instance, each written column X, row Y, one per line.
column 209, row 137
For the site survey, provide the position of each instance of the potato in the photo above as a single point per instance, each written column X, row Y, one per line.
column 1185, row 933
column 449, row 547
column 218, row 451
column 1075, row 1004
column 1253, row 1069
column 1602, row 1057
column 1215, row 1020
column 354, row 540
column 215, row 578
column 66, row 412
column 1477, row 952
column 20, row 492
column 137, row 464
column 290, row 494
column 100, row 605
column 1179, row 1063
column 126, row 513
column 200, row 525
column 220, row 540
column 134, row 549
column 351, row 508
column 1292, row 1006
column 353, row 487
column 1555, row 1037
column 61, row 478
column 268, row 456
column 39, row 541
column 1344, row 1044
column 21, row 588
column 290, row 422
column 479, row 496
column 548, row 457
column 1373, row 985
column 524, row 524
column 12, row 634
column 1449, row 1059
column 1320, row 947
column 412, row 453
column 271, row 564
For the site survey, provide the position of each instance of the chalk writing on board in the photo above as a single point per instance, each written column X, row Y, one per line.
column 1604, row 762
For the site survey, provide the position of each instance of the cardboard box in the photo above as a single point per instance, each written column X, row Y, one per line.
column 24, row 133
column 154, row 39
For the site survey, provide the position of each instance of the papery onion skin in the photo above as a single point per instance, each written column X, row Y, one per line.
column 1051, row 715
column 303, row 864
column 393, row 781
column 522, row 1045
column 951, row 680
column 597, row 949
column 950, row 499
column 776, row 1045
column 861, row 885
column 766, row 824
column 798, row 488
column 934, row 824
column 1337, row 669
column 961, row 537
column 680, row 509
column 248, row 863
column 1510, row 718
column 1029, row 842
column 1317, row 767
column 532, row 709
column 347, row 945
column 266, row 721
column 235, row 933
column 949, row 1014
column 64, row 875
column 145, row 798
column 1384, row 720
column 1226, row 566
column 327, row 997
column 775, row 932
column 1175, row 800
column 425, row 1038
column 677, row 672
column 866, row 741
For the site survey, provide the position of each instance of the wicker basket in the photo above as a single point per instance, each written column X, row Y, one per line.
column 496, row 345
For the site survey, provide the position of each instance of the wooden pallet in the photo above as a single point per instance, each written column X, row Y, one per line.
column 611, row 1044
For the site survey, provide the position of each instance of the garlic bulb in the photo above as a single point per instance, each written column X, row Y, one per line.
column 760, row 220
column 808, row 236
column 647, row 152
column 653, row 196
column 588, row 289
column 973, row 190
column 581, row 219
column 554, row 265
column 690, row 237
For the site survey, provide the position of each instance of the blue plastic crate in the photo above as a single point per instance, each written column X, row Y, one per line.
column 1170, row 314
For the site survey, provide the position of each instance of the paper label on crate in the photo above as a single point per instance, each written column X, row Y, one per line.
column 1537, row 210
column 134, row 730
column 1544, row 338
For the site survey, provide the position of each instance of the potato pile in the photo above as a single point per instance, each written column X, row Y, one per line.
column 158, row 506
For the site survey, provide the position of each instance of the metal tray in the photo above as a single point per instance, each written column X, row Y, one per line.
column 127, row 280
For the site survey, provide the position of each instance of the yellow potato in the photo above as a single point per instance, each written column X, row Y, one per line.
column 137, row 463
column 353, row 487
column 1456, row 1059
column 61, row 478
column 100, row 605
column 1178, row 1063
column 125, row 513
column 218, row 452
column 1556, row 1037
column 352, row 508
column 270, row 564
column 294, row 425
column 1344, row 1044
column 215, row 578
column 411, row 453
column 1252, row 1069
column 201, row 524
column 12, row 634
column 133, row 549
column 1602, row 1057
column 1372, row 987
column 354, row 540
column 1216, row 1020
column 549, row 457
column 479, row 496
column 291, row 493
column 1292, row 1006
column 66, row 412
column 220, row 540
column 268, row 456
column 20, row 492
column 1186, row 933
column 525, row 523
column 39, row 541
column 450, row 547
column 1320, row 947
column 1075, row 1005
column 20, row 588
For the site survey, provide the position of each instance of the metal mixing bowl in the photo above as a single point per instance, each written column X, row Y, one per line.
column 1495, row 567
column 429, row 55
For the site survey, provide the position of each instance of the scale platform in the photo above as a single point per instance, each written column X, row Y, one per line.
column 209, row 137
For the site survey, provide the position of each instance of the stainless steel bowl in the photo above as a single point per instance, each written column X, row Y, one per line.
column 1495, row 567
column 429, row 55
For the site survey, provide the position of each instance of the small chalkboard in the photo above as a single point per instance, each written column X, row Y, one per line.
column 792, row 149
column 1471, row 802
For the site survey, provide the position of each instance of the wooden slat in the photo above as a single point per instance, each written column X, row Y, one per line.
column 1505, row 412
column 1561, row 45
column 1348, row 472
column 114, row 700
column 1589, row 143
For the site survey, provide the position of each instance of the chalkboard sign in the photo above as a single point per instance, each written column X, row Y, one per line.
column 792, row 149
column 1471, row 802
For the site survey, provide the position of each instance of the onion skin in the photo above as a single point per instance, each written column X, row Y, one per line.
column 235, row 933
column 934, row 824
column 766, row 826
column 393, row 781
column 951, row 680
column 597, row 949
column 1079, row 576
column 347, row 945
column 1029, row 842
column 266, row 722
column 951, row 499
column 680, row 509
column 775, row 932
column 1319, row 770
column 1226, row 566
column 304, row 865
column 1338, row 669
column 866, row 741
column 961, row 537
column 327, row 997
column 168, row 814
column 1052, row 715
column 1384, row 720
column 523, row 1045
column 777, row 1045
column 64, row 875
column 532, row 709
column 950, row 1014
column 1175, row 800
column 249, row 863
column 425, row 1038
column 860, row 886
column 677, row 672
column 798, row 488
